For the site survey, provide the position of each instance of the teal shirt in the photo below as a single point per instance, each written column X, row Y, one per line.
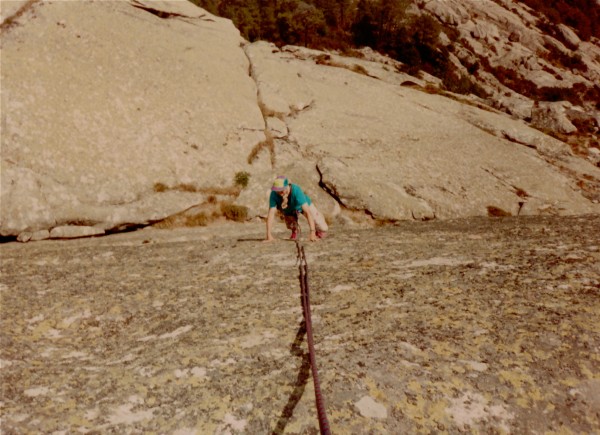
column 296, row 200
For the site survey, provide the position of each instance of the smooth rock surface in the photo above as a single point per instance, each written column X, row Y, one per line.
column 88, row 130
column 392, row 151
column 472, row 325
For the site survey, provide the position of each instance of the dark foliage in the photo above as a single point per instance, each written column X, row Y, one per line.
column 576, row 94
column 564, row 60
column 582, row 15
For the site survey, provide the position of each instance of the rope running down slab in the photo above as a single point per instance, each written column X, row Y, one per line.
column 304, row 293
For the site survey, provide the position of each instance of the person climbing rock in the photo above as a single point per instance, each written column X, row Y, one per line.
column 291, row 201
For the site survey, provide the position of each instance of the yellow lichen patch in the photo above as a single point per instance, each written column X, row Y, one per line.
column 437, row 410
column 450, row 385
column 415, row 386
column 508, row 362
column 537, row 395
column 64, row 407
column 115, row 309
column 585, row 370
column 514, row 346
column 140, row 388
column 517, row 379
column 339, row 414
column 141, row 296
column 43, row 329
column 459, row 369
column 539, row 354
column 77, row 420
column 559, row 431
column 570, row 382
column 374, row 390
column 422, row 409
column 442, row 348
column 414, row 408
column 379, row 428
column 523, row 385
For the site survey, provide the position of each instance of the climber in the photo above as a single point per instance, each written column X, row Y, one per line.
column 290, row 200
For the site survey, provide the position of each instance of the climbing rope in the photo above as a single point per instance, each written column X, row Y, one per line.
column 304, row 293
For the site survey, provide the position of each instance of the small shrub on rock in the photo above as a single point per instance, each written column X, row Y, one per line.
column 186, row 187
column 494, row 211
column 359, row 69
column 242, row 178
column 232, row 212
column 160, row 187
column 197, row 220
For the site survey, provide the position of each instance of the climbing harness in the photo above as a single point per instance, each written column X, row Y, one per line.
column 304, row 293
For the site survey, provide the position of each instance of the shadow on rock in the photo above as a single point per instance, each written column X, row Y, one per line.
column 301, row 380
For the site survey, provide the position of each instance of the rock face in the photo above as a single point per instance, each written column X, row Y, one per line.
column 391, row 151
column 505, row 34
column 103, row 100
column 459, row 326
column 108, row 131
column 552, row 116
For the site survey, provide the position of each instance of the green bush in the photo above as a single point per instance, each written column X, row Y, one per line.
column 242, row 178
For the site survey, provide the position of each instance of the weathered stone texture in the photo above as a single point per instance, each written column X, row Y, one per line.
column 473, row 325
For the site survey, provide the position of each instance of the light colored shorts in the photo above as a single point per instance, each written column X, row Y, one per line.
column 291, row 221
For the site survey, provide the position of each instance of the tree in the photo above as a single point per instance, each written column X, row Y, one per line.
column 298, row 21
column 391, row 17
column 363, row 28
column 343, row 8
column 268, row 21
column 329, row 10
column 311, row 19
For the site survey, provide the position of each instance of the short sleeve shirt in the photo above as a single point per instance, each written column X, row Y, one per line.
column 296, row 200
